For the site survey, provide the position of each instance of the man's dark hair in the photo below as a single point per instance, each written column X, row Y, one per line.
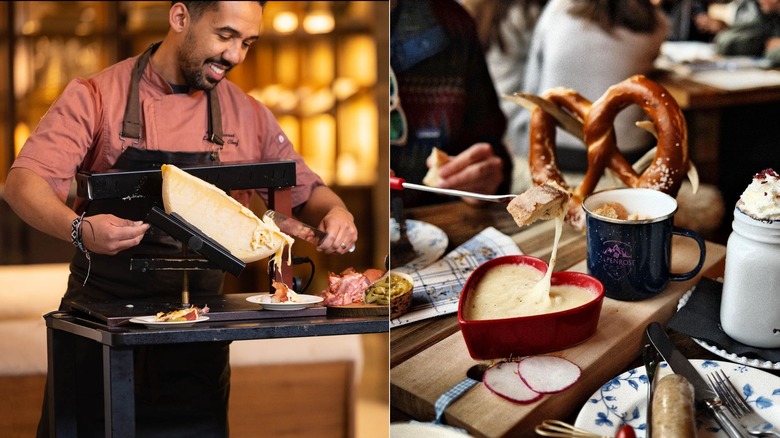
column 197, row 8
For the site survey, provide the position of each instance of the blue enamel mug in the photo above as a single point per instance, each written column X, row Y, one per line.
column 632, row 257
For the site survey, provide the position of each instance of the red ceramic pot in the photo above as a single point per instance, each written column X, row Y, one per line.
column 528, row 335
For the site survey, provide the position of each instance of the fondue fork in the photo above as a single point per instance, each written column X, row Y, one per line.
column 560, row 429
column 397, row 183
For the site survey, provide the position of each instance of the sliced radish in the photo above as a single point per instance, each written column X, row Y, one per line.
column 548, row 374
column 502, row 379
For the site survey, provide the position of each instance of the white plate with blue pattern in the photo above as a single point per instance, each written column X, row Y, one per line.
column 623, row 400
column 428, row 240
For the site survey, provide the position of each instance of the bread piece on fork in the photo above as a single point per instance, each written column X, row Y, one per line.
column 540, row 202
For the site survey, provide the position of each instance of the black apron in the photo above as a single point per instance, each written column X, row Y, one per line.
column 180, row 390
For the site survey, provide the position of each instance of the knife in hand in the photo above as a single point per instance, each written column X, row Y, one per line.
column 703, row 393
column 298, row 229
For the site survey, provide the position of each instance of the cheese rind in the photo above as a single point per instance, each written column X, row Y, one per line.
column 220, row 217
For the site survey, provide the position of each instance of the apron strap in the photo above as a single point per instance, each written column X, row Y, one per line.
column 215, row 119
column 131, row 123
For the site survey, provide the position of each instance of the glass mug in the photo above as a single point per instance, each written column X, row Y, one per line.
column 750, row 305
column 632, row 257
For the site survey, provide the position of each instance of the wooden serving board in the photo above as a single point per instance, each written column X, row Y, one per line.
column 416, row 383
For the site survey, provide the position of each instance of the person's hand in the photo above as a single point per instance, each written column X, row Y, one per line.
column 342, row 232
column 477, row 169
column 772, row 43
column 707, row 24
column 108, row 234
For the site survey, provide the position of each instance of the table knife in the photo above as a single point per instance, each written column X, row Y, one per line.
column 703, row 393
column 298, row 229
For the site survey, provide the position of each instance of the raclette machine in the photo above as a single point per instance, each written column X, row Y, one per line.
column 198, row 250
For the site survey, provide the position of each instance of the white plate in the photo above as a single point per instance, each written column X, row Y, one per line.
column 265, row 300
column 428, row 430
column 753, row 362
column 623, row 400
column 428, row 240
column 149, row 321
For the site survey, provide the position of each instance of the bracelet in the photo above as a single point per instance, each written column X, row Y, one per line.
column 75, row 233
column 75, row 238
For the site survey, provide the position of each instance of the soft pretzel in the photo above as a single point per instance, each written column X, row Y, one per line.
column 671, row 158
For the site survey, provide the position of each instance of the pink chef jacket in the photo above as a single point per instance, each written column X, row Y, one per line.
column 81, row 130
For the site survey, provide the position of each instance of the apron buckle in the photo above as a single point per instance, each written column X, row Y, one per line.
column 134, row 143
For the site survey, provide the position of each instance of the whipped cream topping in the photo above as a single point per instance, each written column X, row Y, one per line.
column 761, row 199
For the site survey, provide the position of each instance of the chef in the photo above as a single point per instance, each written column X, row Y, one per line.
column 171, row 104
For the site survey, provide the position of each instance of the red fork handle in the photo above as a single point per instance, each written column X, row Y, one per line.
column 396, row 183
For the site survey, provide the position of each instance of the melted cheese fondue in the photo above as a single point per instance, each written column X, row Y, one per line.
column 509, row 291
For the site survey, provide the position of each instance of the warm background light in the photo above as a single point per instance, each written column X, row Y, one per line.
column 319, row 144
column 21, row 132
column 319, row 19
column 292, row 128
column 319, row 63
column 357, row 125
column 285, row 22
column 358, row 60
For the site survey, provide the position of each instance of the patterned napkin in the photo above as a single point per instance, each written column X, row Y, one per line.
column 700, row 318
column 437, row 286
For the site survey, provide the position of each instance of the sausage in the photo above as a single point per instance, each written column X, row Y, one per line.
column 674, row 412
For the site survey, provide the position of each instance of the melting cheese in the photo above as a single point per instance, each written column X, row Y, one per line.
column 509, row 291
column 222, row 218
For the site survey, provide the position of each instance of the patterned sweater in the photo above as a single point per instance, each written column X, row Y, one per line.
column 445, row 90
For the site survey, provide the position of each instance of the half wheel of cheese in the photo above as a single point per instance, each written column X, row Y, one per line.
column 220, row 217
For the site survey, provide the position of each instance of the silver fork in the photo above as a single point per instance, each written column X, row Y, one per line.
column 750, row 420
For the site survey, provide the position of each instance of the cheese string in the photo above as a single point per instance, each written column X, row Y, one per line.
column 540, row 293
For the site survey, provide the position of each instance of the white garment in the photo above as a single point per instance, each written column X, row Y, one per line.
column 742, row 11
column 507, row 67
column 572, row 52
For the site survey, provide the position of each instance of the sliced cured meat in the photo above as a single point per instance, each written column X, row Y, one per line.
column 346, row 288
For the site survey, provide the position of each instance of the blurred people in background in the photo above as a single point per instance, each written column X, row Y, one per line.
column 448, row 101
column 749, row 133
column 720, row 16
column 589, row 45
column 505, row 28
column 681, row 15
column 688, row 20
column 759, row 37
column 699, row 20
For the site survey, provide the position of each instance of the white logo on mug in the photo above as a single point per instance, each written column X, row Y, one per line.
column 617, row 259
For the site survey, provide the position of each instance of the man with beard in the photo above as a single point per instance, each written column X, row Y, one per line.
column 170, row 105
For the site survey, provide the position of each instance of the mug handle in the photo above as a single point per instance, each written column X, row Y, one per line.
column 702, row 254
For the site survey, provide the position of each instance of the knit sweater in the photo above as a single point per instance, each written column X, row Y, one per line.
column 444, row 88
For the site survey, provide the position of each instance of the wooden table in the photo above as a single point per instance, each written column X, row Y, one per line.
column 703, row 106
column 428, row 357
